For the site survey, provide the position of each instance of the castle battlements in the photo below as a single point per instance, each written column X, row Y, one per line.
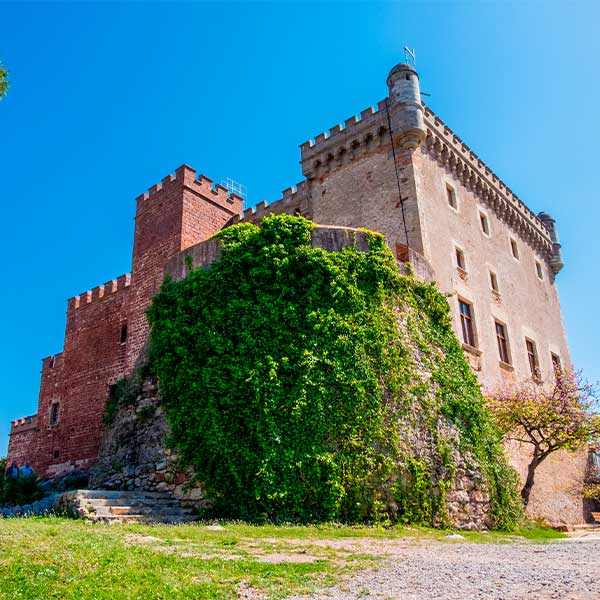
column 23, row 424
column 448, row 149
column 201, row 185
column 99, row 292
column 359, row 136
column 294, row 200
column 345, row 142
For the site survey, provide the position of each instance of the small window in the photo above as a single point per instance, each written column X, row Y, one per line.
column 54, row 413
column 407, row 76
column 123, row 333
column 451, row 196
column 502, row 342
column 485, row 226
column 538, row 270
column 460, row 259
column 556, row 365
column 466, row 322
column 52, row 362
column 514, row 248
column 55, row 454
column 494, row 282
column 534, row 365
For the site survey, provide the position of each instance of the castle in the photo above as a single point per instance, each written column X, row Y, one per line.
column 396, row 169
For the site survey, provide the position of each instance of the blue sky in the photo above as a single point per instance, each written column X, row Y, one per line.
column 106, row 99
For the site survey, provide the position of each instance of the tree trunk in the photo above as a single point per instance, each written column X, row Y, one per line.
column 533, row 465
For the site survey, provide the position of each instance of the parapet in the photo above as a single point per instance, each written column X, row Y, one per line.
column 23, row 424
column 100, row 292
column 449, row 150
column 185, row 176
column 357, row 136
column 294, row 201
column 202, row 255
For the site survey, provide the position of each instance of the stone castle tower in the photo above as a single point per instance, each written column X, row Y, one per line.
column 397, row 169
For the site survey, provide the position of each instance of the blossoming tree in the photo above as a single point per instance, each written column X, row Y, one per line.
column 561, row 416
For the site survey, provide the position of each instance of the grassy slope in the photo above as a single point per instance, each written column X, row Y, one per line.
column 59, row 558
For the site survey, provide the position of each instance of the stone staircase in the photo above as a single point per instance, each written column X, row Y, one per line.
column 108, row 506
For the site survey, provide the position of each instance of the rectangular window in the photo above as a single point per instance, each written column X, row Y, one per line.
column 502, row 342
column 451, row 196
column 534, row 366
column 538, row 270
column 485, row 226
column 494, row 282
column 460, row 259
column 123, row 333
column 514, row 248
column 556, row 362
column 466, row 322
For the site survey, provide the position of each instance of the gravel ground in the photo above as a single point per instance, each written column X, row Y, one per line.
column 565, row 569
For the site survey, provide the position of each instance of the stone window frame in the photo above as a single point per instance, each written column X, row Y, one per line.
column 538, row 270
column 503, row 341
column 460, row 259
column 483, row 216
column 556, row 362
column 533, row 359
column 123, row 334
column 468, row 324
column 493, row 280
column 451, row 197
column 514, row 249
column 54, row 413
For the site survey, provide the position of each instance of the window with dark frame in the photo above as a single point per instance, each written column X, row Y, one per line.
column 451, row 196
column 485, row 226
column 54, row 413
column 123, row 333
column 494, row 282
column 514, row 249
column 502, row 342
column 466, row 322
column 533, row 359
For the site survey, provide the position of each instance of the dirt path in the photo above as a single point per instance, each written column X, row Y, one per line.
column 564, row 569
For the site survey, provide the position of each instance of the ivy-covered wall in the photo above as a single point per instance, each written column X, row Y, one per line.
column 306, row 385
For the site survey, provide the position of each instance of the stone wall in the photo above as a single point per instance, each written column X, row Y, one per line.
column 557, row 494
column 134, row 454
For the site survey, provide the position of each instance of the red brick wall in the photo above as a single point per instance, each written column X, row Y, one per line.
column 93, row 358
column 170, row 217
column 21, row 443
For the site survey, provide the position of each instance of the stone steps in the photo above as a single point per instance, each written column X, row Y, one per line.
column 113, row 506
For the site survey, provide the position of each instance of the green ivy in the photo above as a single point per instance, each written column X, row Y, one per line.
column 296, row 383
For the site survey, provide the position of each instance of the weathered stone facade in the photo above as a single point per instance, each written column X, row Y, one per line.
column 134, row 454
column 397, row 169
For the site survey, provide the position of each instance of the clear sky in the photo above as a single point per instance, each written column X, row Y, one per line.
column 107, row 99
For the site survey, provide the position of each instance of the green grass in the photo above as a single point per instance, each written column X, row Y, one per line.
column 67, row 559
